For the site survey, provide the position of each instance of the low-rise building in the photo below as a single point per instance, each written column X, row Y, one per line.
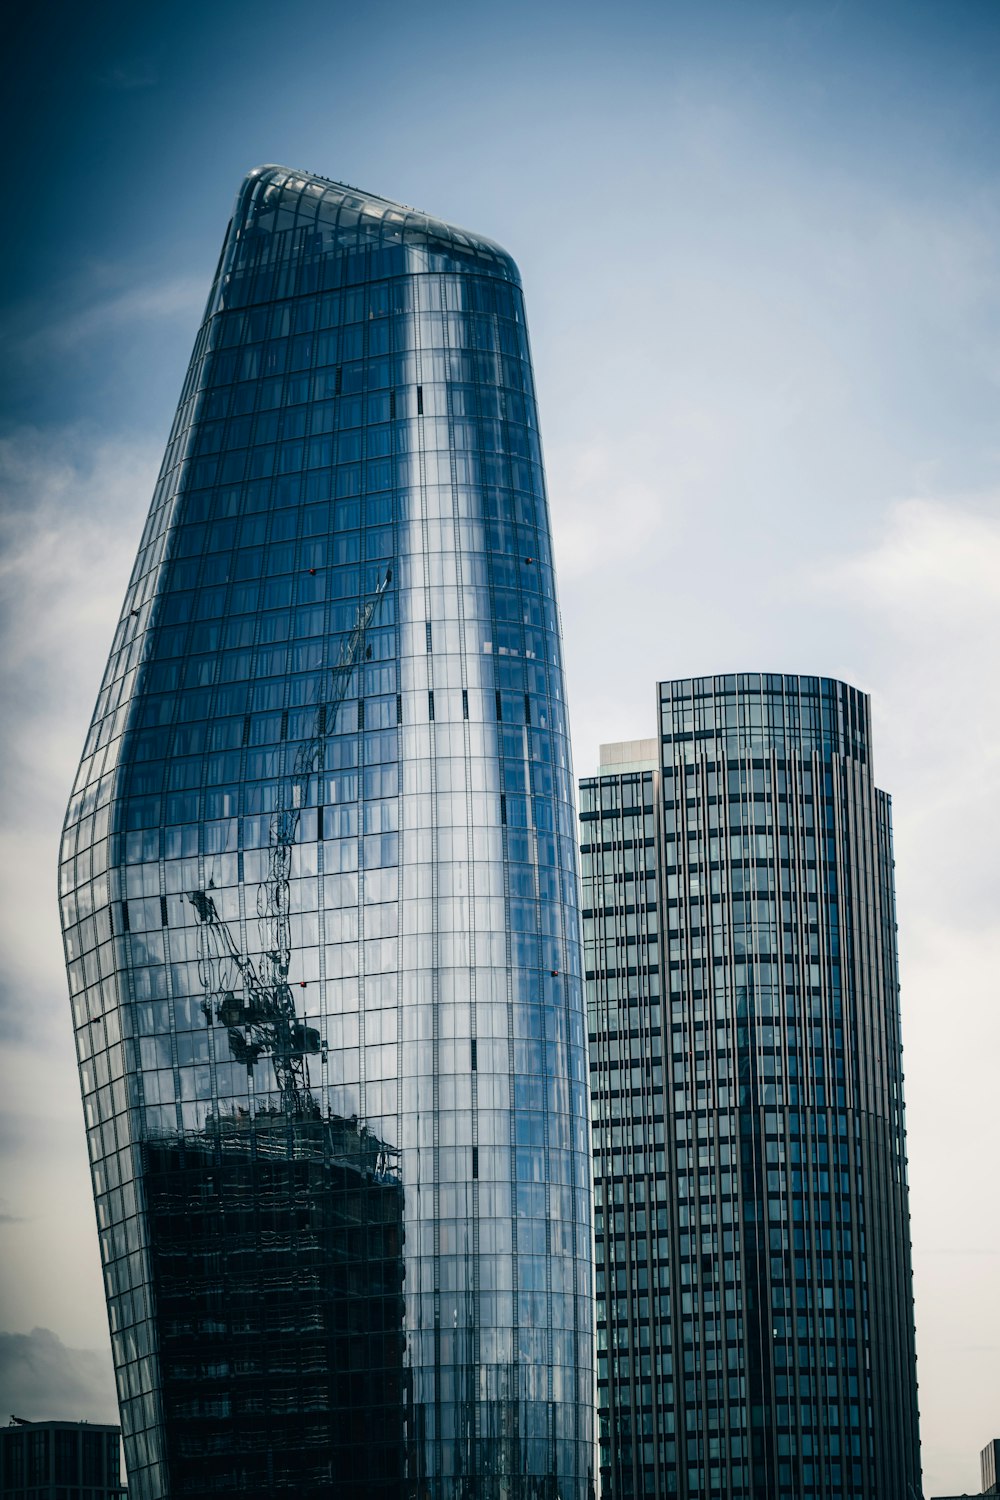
column 989, row 1467
column 60, row 1461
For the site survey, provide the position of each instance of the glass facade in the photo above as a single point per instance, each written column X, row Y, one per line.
column 754, row 1304
column 319, row 894
column 60, row 1461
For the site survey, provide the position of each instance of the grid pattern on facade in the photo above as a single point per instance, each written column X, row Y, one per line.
column 60, row 1461
column 318, row 889
column 780, row 1359
column 635, row 1373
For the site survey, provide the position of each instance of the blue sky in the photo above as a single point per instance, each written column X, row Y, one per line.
column 761, row 252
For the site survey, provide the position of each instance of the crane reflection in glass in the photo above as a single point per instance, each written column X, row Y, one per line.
column 318, row 885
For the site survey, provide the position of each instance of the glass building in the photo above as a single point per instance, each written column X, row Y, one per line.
column 754, row 1306
column 60, row 1461
column 319, row 894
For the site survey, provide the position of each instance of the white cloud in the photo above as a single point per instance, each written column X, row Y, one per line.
column 927, row 625
column 606, row 515
column 927, row 602
column 935, row 566
column 72, row 513
column 85, row 322
column 106, row 312
column 72, row 510
column 41, row 1378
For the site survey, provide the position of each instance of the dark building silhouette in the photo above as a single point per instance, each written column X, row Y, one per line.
column 755, row 1316
column 989, row 1463
column 60, row 1461
column 277, row 1258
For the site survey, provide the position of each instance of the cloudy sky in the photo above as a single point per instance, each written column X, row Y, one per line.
column 761, row 251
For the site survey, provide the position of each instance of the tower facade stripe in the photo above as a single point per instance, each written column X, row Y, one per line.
column 754, row 1302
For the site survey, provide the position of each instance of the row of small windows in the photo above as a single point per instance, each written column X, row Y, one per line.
column 263, row 365
column 348, row 478
column 315, row 604
column 426, row 294
column 614, row 795
column 286, row 436
column 270, row 352
column 471, row 414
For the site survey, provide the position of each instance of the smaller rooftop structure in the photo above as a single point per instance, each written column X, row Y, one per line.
column 989, row 1463
column 628, row 755
column 989, row 1466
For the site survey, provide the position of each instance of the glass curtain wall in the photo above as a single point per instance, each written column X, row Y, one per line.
column 318, row 890
column 754, row 1288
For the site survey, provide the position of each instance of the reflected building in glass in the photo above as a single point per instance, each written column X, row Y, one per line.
column 318, row 885
column 754, row 1302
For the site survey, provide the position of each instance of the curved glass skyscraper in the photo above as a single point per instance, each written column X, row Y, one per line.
column 318, row 889
column 754, row 1302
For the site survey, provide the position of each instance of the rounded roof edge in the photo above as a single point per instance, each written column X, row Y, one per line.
column 819, row 678
column 271, row 186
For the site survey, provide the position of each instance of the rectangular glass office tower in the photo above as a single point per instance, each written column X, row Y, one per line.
column 754, row 1303
column 319, row 894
